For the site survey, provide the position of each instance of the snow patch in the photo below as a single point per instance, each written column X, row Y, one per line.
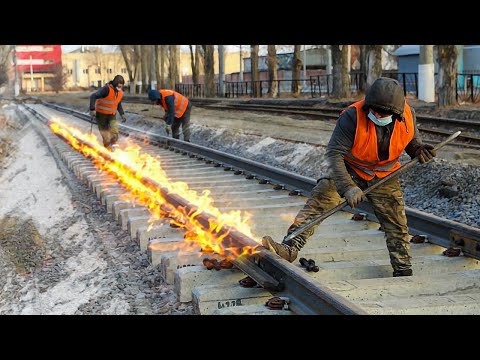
column 258, row 146
column 66, row 296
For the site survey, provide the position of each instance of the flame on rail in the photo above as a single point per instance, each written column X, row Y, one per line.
column 130, row 165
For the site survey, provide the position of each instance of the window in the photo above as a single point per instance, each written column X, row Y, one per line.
column 70, row 71
column 123, row 70
column 109, row 71
column 85, row 71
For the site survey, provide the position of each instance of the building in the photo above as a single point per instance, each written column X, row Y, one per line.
column 89, row 67
column 36, row 64
column 468, row 62
column 85, row 68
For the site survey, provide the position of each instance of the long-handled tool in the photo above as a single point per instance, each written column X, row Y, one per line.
column 340, row 206
column 91, row 126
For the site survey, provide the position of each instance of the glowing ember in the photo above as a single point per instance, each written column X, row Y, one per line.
column 131, row 167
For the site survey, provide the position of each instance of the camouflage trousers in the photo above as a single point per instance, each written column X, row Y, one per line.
column 389, row 207
column 184, row 122
column 108, row 127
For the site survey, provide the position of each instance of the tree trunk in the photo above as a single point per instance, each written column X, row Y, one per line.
column 341, row 79
column 157, row 68
column 178, row 78
column 124, row 50
column 272, row 72
column 447, row 74
column 208, row 65
column 363, row 68
column 136, row 69
column 221, row 71
column 296, row 71
column 255, row 73
column 373, row 63
column 144, row 56
column 172, row 66
column 194, row 58
column 162, row 66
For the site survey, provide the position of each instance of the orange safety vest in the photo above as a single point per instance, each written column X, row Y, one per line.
column 363, row 156
column 108, row 105
column 181, row 102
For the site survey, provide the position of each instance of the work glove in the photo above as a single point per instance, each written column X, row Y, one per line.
column 92, row 113
column 124, row 118
column 354, row 196
column 425, row 153
column 168, row 128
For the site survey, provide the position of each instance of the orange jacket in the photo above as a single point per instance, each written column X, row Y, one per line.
column 181, row 102
column 108, row 105
column 363, row 157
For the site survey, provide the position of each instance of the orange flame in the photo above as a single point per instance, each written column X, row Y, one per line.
column 130, row 165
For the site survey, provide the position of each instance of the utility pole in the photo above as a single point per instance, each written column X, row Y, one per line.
column 426, row 74
column 153, row 81
column 241, row 63
column 16, row 85
column 31, row 74
column 221, row 70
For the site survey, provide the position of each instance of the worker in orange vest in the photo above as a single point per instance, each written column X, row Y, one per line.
column 177, row 111
column 368, row 139
column 104, row 105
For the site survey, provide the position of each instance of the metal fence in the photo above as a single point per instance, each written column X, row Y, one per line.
column 468, row 86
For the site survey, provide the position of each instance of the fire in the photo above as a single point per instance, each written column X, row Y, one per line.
column 130, row 165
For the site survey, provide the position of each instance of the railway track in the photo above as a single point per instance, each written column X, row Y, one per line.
column 354, row 274
column 434, row 129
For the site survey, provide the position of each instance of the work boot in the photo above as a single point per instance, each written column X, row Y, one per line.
column 406, row 272
column 285, row 251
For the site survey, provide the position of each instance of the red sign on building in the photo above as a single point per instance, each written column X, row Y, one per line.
column 38, row 58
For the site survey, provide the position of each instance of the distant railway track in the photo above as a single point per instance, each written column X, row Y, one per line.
column 354, row 274
column 433, row 128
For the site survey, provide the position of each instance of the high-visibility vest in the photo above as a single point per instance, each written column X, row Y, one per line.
column 363, row 156
column 108, row 105
column 181, row 102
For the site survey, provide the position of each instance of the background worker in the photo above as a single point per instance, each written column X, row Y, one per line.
column 104, row 105
column 177, row 111
column 368, row 139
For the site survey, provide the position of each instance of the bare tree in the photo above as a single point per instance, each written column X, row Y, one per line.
column 363, row 68
column 144, row 66
column 137, row 68
column 373, row 63
column 4, row 56
column 341, row 79
column 447, row 74
column 194, row 61
column 162, row 66
column 255, row 74
column 59, row 79
column 157, row 68
column 296, row 71
column 209, row 70
column 172, row 66
column 272, row 71
column 127, row 53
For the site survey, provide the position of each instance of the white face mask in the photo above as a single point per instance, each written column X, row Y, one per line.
column 119, row 88
column 382, row 121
